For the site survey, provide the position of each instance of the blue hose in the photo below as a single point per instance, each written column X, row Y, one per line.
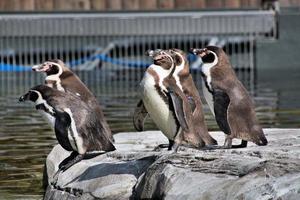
column 104, row 58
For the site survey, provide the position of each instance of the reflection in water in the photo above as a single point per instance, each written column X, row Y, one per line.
column 26, row 138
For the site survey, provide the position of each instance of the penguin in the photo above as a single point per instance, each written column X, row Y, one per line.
column 166, row 104
column 60, row 77
column 231, row 104
column 76, row 125
column 185, row 81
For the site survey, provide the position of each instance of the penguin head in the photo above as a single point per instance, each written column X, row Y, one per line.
column 210, row 56
column 51, row 67
column 29, row 96
column 180, row 61
column 36, row 94
column 161, row 58
column 179, row 57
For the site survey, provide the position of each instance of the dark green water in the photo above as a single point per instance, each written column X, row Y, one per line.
column 26, row 139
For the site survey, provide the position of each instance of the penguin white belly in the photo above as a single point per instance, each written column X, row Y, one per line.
column 208, row 97
column 158, row 109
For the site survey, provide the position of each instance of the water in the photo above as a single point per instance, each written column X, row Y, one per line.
column 26, row 139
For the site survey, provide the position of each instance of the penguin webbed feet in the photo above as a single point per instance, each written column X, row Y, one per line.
column 211, row 147
column 68, row 162
column 163, row 146
column 242, row 145
column 228, row 144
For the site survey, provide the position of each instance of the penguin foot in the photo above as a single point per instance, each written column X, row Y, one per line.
column 70, row 161
column 242, row 145
column 174, row 148
column 211, row 147
column 74, row 191
column 161, row 146
column 228, row 144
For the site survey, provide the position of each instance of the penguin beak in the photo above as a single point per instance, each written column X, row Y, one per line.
column 24, row 97
column 194, row 51
column 149, row 53
column 199, row 52
column 40, row 68
column 152, row 53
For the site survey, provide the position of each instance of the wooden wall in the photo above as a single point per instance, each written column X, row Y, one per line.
column 103, row 5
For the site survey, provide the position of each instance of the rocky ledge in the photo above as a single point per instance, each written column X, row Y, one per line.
column 136, row 171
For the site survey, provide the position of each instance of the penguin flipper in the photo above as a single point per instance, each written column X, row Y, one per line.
column 221, row 104
column 139, row 116
column 177, row 103
column 61, row 127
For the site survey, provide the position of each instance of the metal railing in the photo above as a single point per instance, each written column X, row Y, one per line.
column 107, row 50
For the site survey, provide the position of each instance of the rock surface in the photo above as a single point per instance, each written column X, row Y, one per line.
column 136, row 171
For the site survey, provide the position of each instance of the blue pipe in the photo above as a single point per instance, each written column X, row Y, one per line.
column 104, row 58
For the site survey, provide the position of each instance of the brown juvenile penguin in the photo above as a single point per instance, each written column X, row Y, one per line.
column 60, row 77
column 232, row 105
column 165, row 102
column 186, row 83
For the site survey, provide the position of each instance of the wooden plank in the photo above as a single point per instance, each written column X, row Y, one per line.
column 198, row 4
column 131, row 4
column 166, row 4
column 44, row 5
column 114, row 5
column 98, row 4
column 27, row 5
column 11, row 5
column 214, row 3
column 250, row 3
column 232, row 4
column 183, row 4
column 72, row 5
column 62, row 5
column 148, row 4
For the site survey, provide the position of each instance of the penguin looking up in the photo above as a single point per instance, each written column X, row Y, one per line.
column 232, row 105
column 76, row 126
column 166, row 104
column 60, row 77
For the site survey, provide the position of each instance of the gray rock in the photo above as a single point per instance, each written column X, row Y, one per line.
column 136, row 171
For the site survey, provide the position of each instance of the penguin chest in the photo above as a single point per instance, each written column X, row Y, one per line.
column 208, row 97
column 157, row 108
column 49, row 118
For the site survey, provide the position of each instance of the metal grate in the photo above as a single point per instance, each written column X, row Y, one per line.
column 106, row 50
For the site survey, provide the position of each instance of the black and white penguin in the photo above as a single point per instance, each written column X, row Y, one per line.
column 76, row 125
column 165, row 102
column 231, row 104
column 60, row 77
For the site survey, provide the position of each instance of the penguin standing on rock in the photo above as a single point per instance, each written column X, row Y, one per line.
column 166, row 104
column 76, row 125
column 60, row 77
column 232, row 105
column 185, row 80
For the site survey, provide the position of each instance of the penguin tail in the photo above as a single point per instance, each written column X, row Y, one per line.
column 111, row 147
